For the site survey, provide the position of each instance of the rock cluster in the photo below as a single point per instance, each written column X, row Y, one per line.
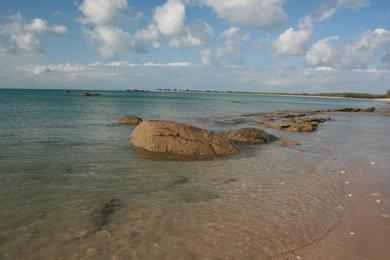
column 351, row 109
column 130, row 120
column 300, row 122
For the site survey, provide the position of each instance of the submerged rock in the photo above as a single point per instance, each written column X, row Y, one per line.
column 250, row 136
column 181, row 139
column 286, row 142
column 294, row 124
column 351, row 109
column 130, row 120
column 108, row 209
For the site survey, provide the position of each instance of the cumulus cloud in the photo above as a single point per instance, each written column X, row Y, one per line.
column 169, row 18
column 331, row 7
column 199, row 33
column 322, row 53
column 371, row 47
column 263, row 14
column 230, row 52
column 102, row 12
column 168, row 22
column 293, row 42
column 18, row 36
column 40, row 26
column 114, row 40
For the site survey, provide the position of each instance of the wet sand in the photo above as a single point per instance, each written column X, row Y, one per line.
column 365, row 234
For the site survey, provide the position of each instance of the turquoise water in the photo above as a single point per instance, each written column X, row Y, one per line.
column 71, row 185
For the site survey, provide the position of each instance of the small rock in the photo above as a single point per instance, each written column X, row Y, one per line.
column 385, row 215
column 372, row 163
column 379, row 201
column 342, row 172
column 346, row 182
column 351, row 233
column 286, row 142
column 375, row 194
column 350, row 195
column 91, row 252
column 130, row 120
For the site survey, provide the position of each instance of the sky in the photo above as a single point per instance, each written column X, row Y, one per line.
column 240, row 45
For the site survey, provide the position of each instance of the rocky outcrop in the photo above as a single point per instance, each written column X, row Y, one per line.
column 249, row 136
column 351, row 109
column 293, row 124
column 130, row 120
column 87, row 94
column 181, row 139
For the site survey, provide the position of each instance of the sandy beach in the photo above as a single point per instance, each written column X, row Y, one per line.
column 365, row 233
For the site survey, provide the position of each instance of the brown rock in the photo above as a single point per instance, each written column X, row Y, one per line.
column 286, row 142
column 130, row 120
column 370, row 109
column 250, row 136
column 295, row 124
column 182, row 139
column 302, row 126
column 351, row 109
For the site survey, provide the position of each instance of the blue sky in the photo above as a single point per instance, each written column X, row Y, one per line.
column 248, row 45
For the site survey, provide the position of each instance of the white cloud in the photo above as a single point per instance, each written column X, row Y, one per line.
column 122, row 75
column 102, row 12
column 331, row 7
column 150, row 34
column 322, row 53
column 371, row 48
column 169, row 18
column 74, row 68
column 19, row 36
column 293, row 42
column 263, row 14
column 114, row 40
column 230, row 52
column 168, row 21
column 208, row 57
column 40, row 26
column 199, row 33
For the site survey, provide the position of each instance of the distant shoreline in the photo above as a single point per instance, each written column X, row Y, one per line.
column 322, row 95
column 378, row 97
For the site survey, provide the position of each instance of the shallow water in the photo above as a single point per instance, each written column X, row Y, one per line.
column 71, row 185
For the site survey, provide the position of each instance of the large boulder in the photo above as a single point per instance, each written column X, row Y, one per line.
column 181, row 139
column 250, row 136
column 130, row 120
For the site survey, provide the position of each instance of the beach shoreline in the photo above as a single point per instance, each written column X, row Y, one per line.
column 365, row 233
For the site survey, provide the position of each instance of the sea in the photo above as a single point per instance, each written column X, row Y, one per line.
column 73, row 187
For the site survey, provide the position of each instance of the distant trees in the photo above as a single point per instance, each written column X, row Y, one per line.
column 388, row 93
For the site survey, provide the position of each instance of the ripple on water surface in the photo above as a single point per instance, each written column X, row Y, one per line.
column 261, row 203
